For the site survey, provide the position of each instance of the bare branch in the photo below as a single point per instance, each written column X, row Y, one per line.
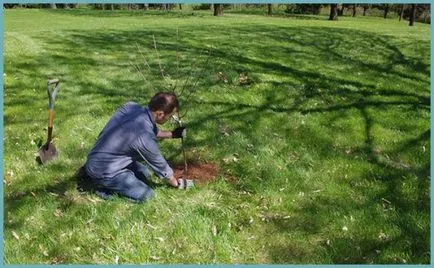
column 139, row 71
column 144, row 58
column 159, row 63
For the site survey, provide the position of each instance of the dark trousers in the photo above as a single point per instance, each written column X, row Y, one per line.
column 129, row 183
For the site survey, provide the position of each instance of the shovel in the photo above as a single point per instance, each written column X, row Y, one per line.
column 48, row 151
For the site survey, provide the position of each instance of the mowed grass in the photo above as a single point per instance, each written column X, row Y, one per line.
column 321, row 130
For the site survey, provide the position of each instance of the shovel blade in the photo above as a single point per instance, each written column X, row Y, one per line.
column 47, row 152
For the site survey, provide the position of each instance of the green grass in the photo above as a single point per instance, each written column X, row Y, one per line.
column 326, row 158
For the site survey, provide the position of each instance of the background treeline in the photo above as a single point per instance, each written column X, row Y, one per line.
column 402, row 11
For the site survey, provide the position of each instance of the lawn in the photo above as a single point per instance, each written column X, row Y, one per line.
column 320, row 131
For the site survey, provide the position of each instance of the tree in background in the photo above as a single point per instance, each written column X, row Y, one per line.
column 412, row 14
column 333, row 12
column 340, row 9
column 365, row 8
column 401, row 14
column 48, row 5
column 303, row 9
column 426, row 12
column 422, row 13
column 386, row 9
column 203, row 7
column 354, row 9
column 218, row 9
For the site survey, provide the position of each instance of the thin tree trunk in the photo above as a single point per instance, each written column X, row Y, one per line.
column 270, row 9
column 112, row 7
column 364, row 10
column 53, row 6
column 402, row 12
column 180, row 6
column 386, row 10
column 426, row 17
column 354, row 10
column 341, row 10
column 412, row 14
column 333, row 12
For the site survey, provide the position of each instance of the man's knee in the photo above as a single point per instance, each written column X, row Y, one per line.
column 143, row 194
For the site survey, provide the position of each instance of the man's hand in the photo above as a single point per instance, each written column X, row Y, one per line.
column 179, row 132
column 173, row 182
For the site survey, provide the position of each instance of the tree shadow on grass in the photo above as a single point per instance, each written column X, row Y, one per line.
column 366, row 251
column 326, row 46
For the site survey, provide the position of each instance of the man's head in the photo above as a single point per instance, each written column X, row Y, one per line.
column 163, row 105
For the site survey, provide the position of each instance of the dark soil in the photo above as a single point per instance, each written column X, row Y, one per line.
column 200, row 173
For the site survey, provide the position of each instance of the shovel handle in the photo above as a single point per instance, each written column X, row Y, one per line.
column 52, row 89
column 49, row 138
column 50, row 125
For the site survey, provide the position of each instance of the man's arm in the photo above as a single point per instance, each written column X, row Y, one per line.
column 179, row 132
column 147, row 149
column 164, row 134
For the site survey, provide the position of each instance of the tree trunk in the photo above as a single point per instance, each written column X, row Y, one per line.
column 218, row 9
column 402, row 12
column 412, row 14
column 364, row 10
column 112, row 7
column 426, row 17
column 386, row 10
column 341, row 10
column 53, row 6
column 270, row 9
column 354, row 10
column 333, row 12
column 180, row 6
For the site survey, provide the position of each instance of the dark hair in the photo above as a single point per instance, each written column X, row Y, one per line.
column 164, row 101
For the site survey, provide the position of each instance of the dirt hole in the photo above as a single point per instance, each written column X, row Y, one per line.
column 199, row 172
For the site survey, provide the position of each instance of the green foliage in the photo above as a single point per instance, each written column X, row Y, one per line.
column 201, row 7
column 313, row 9
column 321, row 130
